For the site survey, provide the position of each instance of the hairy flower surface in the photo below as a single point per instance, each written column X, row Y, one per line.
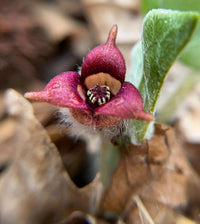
column 98, row 96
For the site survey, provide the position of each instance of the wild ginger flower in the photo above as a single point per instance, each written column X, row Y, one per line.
column 99, row 95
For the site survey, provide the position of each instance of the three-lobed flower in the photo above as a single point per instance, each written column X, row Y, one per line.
column 99, row 96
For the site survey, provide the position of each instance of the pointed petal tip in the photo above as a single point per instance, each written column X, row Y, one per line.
column 33, row 95
column 61, row 91
column 112, row 35
column 26, row 95
column 106, row 58
column 143, row 115
column 114, row 29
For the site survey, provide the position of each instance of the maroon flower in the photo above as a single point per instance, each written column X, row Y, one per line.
column 98, row 96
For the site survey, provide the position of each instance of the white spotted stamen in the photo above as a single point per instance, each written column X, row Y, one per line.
column 93, row 100
column 99, row 95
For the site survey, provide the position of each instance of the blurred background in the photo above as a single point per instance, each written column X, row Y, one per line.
column 42, row 38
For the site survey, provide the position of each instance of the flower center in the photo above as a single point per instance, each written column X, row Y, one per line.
column 98, row 95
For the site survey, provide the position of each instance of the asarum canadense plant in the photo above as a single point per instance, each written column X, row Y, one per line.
column 99, row 96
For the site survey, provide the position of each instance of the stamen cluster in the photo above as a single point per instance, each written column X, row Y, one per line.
column 98, row 95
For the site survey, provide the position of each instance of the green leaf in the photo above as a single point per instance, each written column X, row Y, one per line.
column 165, row 33
column 136, row 69
column 184, row 5
column 191, row 54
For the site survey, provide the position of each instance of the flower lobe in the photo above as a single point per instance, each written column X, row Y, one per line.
column 105, row 58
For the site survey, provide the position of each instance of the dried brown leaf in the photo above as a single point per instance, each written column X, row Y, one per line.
column 80, row 217
column 151, row 212
column 7, row 127
column 36, row 188
column 135, row 170
column 158, row 171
